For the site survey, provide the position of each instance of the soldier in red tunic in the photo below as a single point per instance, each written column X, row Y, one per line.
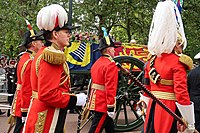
column 165, row 72
column 23, row 92
column 50, row 79
column 104, row 74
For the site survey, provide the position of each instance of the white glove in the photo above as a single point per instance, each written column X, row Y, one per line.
column 145, row 99
column 23, row 119
column 111, row 114
column 187, row 112
column 142, row 104
column 81, row 99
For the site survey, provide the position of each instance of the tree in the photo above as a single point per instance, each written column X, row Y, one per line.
column 122, row 18
column 132, row 17
column 12, row 21
column 191, row 19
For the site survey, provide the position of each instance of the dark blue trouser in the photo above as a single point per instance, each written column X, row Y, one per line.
column 19, row 125
column 197, row 120
column 101, row 121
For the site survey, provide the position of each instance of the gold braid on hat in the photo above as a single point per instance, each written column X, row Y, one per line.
column 180, row 38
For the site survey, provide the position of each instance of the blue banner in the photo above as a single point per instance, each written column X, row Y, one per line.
column 80, row 55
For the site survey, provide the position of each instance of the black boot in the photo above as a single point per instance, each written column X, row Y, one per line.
column 1, row 113
column 8, row 113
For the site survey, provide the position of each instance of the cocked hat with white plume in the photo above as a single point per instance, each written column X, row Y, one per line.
column 53, row 17
column 166, row 29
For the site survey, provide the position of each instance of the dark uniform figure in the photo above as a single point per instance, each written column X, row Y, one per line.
column 10, row 72
column 2, row 71
column 194, row 90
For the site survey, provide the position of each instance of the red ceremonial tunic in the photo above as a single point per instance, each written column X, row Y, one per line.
column 51, row 86
column 104, row 72
column 170, row 68
column 23, row 91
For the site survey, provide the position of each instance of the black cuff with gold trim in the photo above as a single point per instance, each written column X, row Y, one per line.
column 72, row 102
column 111, row 109
column 24, row 114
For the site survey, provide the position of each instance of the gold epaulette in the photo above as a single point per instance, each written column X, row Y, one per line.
column 186, row 60
column 53, row 56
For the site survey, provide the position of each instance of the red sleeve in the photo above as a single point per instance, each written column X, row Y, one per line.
column 49, row 90
column 111, row 82
column 26, row 90
column 180, row 84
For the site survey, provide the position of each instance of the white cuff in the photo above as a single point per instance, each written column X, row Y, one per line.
column 81, row 99
column 187, row 112
column 23, row 119
column 111, row 114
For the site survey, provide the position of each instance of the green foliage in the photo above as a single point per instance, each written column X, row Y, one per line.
column 123, row 19
column 131, row 17
column 13, row 25
column 191, row 19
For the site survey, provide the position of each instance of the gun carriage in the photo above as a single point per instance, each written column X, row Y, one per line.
column 132, row 58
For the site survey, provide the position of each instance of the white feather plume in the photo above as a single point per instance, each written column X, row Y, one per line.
column 46, row 18
column 163, row 30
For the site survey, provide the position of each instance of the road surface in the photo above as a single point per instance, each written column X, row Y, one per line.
column 71, row 124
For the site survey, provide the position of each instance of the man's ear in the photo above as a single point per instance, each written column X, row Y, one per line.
column 180, row 45
column 108, row 50
column 177, row 44
column 32, row 44
column 54, row 34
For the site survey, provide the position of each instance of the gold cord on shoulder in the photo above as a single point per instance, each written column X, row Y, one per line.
column 66, row 71
column 23, row 68
column 38, row 64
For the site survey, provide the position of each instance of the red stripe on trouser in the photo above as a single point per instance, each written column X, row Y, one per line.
column 99, row 126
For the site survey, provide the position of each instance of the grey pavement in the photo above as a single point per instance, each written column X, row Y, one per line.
column 71, row 121
column 71, row 124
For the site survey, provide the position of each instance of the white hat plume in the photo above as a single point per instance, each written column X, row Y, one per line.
column 164, row 28
column 46, row 18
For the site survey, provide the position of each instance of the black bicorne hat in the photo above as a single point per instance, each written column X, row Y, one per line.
column 104, row 44
column 27, row 38
column 66, row 27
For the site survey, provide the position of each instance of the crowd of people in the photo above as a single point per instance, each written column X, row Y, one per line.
column 42, row 92
column 7, row 71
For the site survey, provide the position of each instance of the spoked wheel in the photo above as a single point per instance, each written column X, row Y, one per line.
column 127, row 117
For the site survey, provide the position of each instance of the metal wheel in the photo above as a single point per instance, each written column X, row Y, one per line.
column 127, row 117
